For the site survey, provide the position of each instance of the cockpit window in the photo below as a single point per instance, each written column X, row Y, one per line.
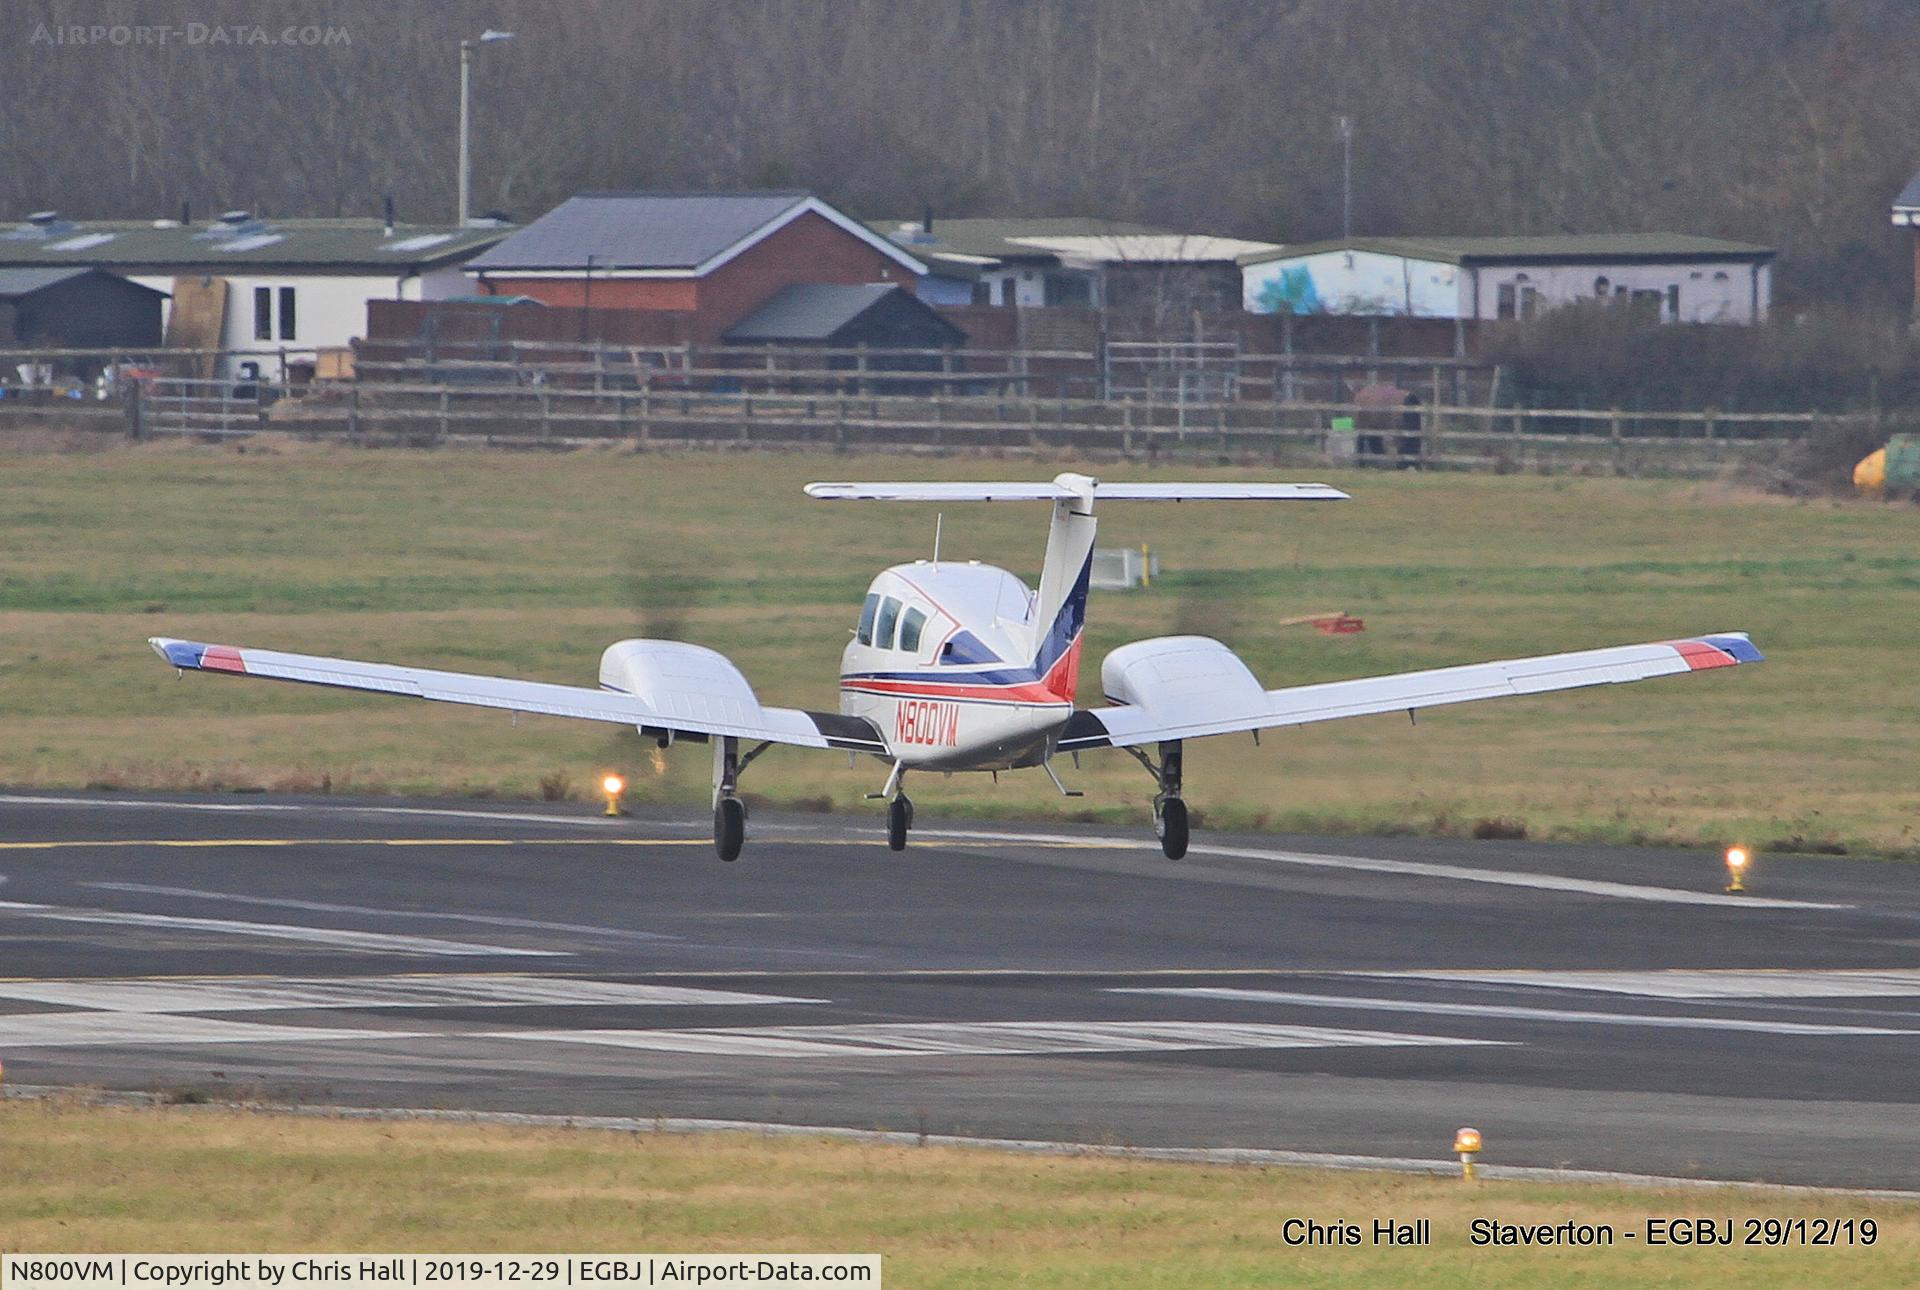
column 883, row 627
column 910, row 626
column 867, row 611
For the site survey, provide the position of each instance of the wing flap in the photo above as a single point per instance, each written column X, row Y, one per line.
column 1301, row 705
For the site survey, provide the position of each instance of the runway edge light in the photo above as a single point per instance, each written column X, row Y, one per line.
column 1738, row 858
column 613, row 786
column 1466, row 1143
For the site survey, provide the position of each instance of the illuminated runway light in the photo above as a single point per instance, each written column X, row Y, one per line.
column 1738, row 858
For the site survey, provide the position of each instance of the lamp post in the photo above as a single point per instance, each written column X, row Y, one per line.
column 466, row 94
column 1345, row 126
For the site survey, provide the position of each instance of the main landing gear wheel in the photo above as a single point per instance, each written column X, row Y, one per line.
column 729, row 827
column 1170, row 822
column 899, row 820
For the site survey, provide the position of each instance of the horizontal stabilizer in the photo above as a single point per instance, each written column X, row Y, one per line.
column 990, row 492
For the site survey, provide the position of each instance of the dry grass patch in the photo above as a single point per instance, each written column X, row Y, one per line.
column 82, row 1178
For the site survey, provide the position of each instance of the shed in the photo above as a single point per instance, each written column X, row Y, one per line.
column 821, row 313
column 76, row 308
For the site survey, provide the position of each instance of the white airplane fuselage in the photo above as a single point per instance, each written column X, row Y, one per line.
column 946, row 666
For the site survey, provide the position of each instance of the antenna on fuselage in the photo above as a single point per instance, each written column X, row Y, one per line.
column 938, row 517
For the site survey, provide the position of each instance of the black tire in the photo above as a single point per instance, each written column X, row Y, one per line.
column 729, row 827
column 899, row 817
column 1172, row 828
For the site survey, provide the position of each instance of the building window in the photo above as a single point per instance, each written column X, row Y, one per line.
column 1673, row 302
column 288, row 326
column 983, row 293
column 1508, row 295
column 263, row 313
column 1007, row 289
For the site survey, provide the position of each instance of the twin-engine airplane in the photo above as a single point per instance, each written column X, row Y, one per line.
column 959, row 666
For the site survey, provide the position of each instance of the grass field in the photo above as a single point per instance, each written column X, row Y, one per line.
column 530, row 564
column 202, row 1180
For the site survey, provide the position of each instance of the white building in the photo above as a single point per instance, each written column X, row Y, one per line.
column 284, row 289
column 1676, row 277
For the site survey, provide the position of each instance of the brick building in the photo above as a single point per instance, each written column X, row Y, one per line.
column 715, row 257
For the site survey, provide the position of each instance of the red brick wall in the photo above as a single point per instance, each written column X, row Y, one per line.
column 811, row 249
column 608, row 293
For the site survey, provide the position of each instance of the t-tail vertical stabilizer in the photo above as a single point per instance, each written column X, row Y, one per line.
column 1060, row 607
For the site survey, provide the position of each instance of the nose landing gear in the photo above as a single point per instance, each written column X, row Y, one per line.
column 899, row 807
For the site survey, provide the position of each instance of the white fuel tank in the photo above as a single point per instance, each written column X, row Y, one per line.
column 1181, row 679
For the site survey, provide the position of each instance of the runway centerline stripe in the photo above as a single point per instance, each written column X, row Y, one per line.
column 1412, row 869
column 1434, row 1009
column 474, row 990
column 338, row 937
column 1705, row 983
column 985, row 1038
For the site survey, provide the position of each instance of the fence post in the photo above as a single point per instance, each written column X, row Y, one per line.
column 443, row 414
column 1707, row 420
column 353, row 413
column 1613, row 432
column 134, row 429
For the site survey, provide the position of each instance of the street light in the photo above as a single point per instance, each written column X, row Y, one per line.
column 487, row 37
column 1344, row 124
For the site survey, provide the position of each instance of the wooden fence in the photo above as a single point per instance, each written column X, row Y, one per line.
column 663, row 398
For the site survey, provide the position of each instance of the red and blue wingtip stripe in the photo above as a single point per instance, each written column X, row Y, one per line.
column 195, row 656
column 1723, row 650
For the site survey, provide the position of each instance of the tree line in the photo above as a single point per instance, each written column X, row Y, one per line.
column 1773, row 121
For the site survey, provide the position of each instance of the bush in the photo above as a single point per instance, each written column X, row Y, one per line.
column 1599, row 355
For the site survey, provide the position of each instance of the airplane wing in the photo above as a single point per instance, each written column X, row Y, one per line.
column 685, row 713
column 1189, row 701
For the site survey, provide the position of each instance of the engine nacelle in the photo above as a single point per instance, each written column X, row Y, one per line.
column 1182, row 679
column 678, row 680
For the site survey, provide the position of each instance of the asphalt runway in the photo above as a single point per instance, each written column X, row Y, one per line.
column 1584, row 1007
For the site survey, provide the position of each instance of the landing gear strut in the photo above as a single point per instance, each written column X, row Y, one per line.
column 729, row 812
column 899, row 808
column 1169, row 809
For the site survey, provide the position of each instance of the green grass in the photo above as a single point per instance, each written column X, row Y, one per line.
column 531, row 564
column 97, row 1180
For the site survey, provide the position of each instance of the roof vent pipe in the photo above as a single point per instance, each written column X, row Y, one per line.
column 926, row 219
column 386, row 204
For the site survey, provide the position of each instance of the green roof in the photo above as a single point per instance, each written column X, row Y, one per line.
column 131, row 246
column 1518, row 250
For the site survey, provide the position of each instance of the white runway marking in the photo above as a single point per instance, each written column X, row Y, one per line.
column 1431, row 1009
column 1411, row 869
column 322, row 907
column 984, row 1038
column 133, row 1030
column 1677, row 983
column 338, row 938
column 260, row 994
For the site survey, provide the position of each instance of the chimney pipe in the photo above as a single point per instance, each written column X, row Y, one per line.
column 186, row 214
column 386, row 203
column 926, row 218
